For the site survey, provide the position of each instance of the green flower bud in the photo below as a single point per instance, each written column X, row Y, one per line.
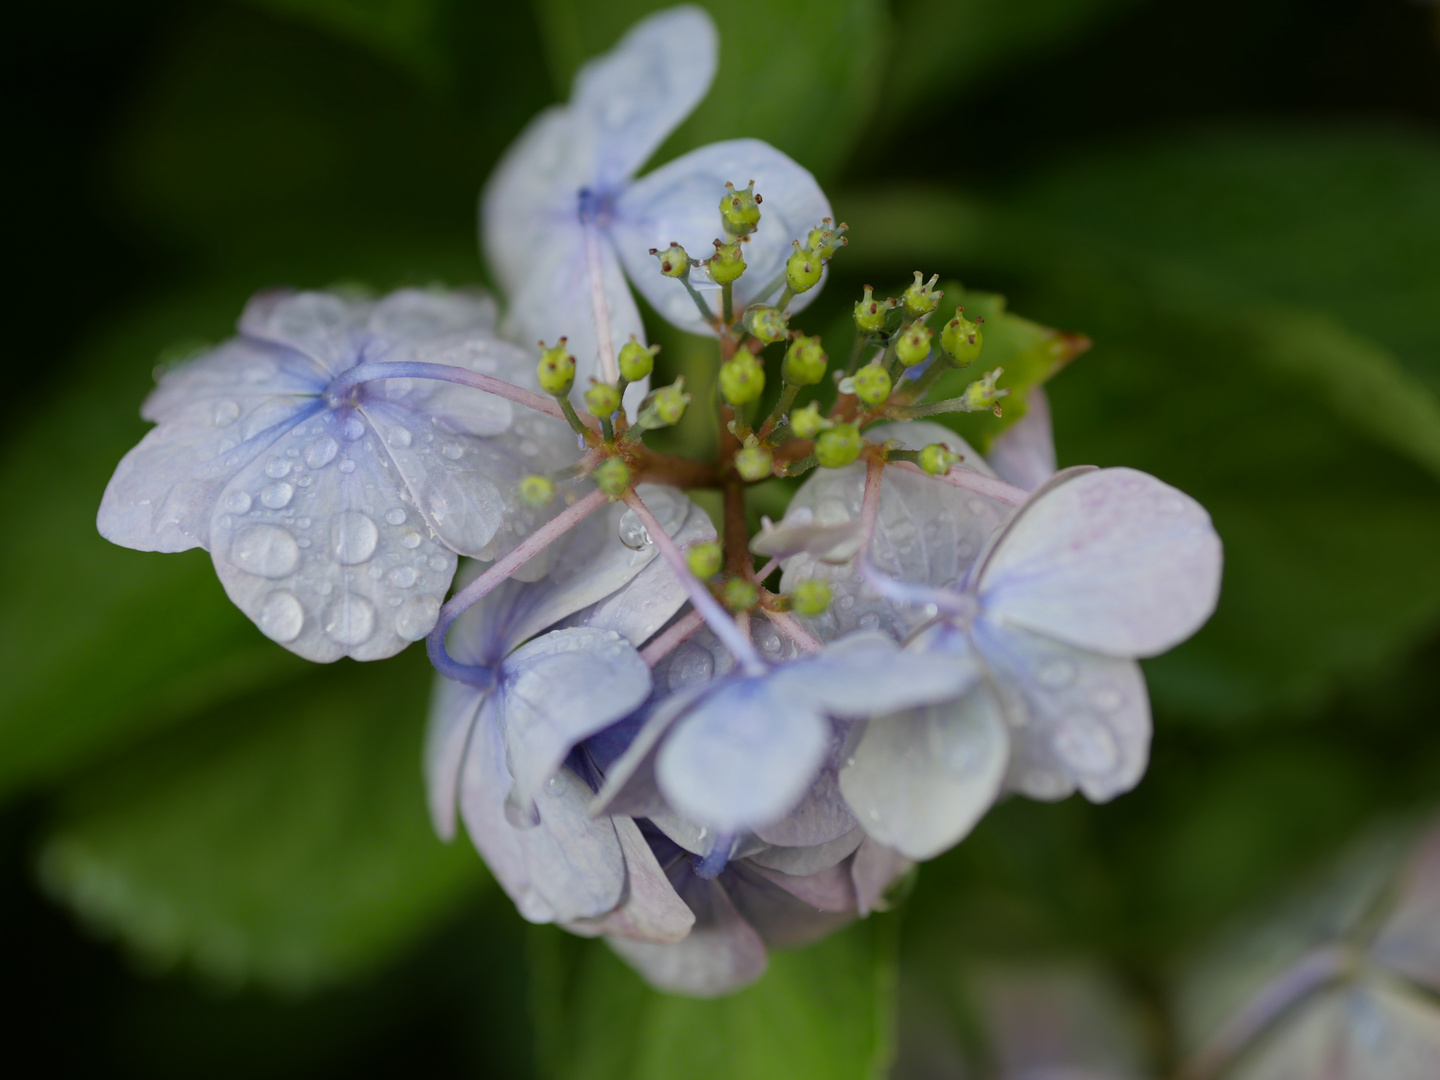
column 962, row 338
column 753, row 463
column 805, row 361
column 675, row 261
column 982, row 394
column 556, row 369
column 766, row 323
column 826, row 239
column 920, row 299
column 536, row 491
column 703, row 559
column 727, row 264
column 740, row 210
column 802, row 269
column 914, row 344
column 665, row 406
column 742, row 378
column 612, row 476
column 870, row 313
column 740, row 595
column 601, row 399
column 872, row 384
column 937, row 459
column 806, row 423
column 810, row 597
column 636, row 361
column 839, row 446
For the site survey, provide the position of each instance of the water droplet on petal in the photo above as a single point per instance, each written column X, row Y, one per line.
column 354, row 427
column 276, row 468
column 402, row 577
column 438, row 563
column 267, row 551
column 237, row 502
column 277, row 495
column 869, row 621
column 282, row 617
column 399, row 436
column 415, row 619
column 633, row 533
column 395, row 516
column 1057, row 674
column 691, row 664
column 350, row 619
column 410, row 540
column 347, row 466
column 1086, row 745
column 1106, row 699
column 452, row 450
column 225, row 413
column 353, row 537
column 320, row 451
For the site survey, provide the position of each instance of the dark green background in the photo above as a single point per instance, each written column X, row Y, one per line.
column 216, row 859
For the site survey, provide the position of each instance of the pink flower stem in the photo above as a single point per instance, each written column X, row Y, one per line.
column 966, row 480
column 710, row 610
column 492, row 578
column 414, row 369
column 792, row 629
column 684, row 628
column 609, row 371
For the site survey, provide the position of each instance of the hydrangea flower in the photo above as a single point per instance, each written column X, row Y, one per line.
column 564, row 221
column 334, row 508
column 554, row 664
column 1097, row 569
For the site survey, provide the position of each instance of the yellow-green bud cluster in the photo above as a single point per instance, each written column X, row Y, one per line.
column 914, row 344
column 601, row 399
column 536, row 491
column 739, row 594
column 766, row 323
column 826, row 239
column 612, row 476
column 805, row 361
column 807, row 423
column 703, row 559
column 839, row 446
column 962, row 338
column 742, row 378
column 740, row 210
column 810, row 597
column 665, row 406
column 872, row 384
column 675, row 261
column 802, row 269
column 556, row 369
column 753, row 463
column 982, row 394
column 870, row 313
column 637, row 361
column 937, row 459
column 921, row 297
column 727, row 264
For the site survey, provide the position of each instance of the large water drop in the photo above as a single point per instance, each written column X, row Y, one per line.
column 350, row 619
column 320, row 451
column 282, row 617
column 633, row 533
column 277, row 495
column 267, row 551
column 353, row 537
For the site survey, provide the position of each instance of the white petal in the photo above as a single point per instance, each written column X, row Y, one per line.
column 743, row 757
column 875, row 868
column 822, row 816
column 559, row 689
column 1077, row 719
column 454, row 710
column 630, row 786
column 812, row 859
column 721, row 954
column 867, row 673
column 788, row 911
column 327, row 328
column 652, row 910
column 316, row 542
column 919, row 780
column 1114, row 561
column 680, row 202
column 569, row 866
column 236, row 373
column 1025, row 454
column 640, row 91
column 415, row 314
column 1409, row 942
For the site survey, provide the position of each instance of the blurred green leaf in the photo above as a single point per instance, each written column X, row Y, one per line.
column 283, row 841
column 942, row 46
column 1030, row 354
column 822, row 1012
column 406, row 31
column 801, row 74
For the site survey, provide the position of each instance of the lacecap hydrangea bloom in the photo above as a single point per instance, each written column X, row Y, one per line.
column 646, row 735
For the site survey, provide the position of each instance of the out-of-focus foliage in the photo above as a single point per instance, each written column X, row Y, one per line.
column 1262, row 303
